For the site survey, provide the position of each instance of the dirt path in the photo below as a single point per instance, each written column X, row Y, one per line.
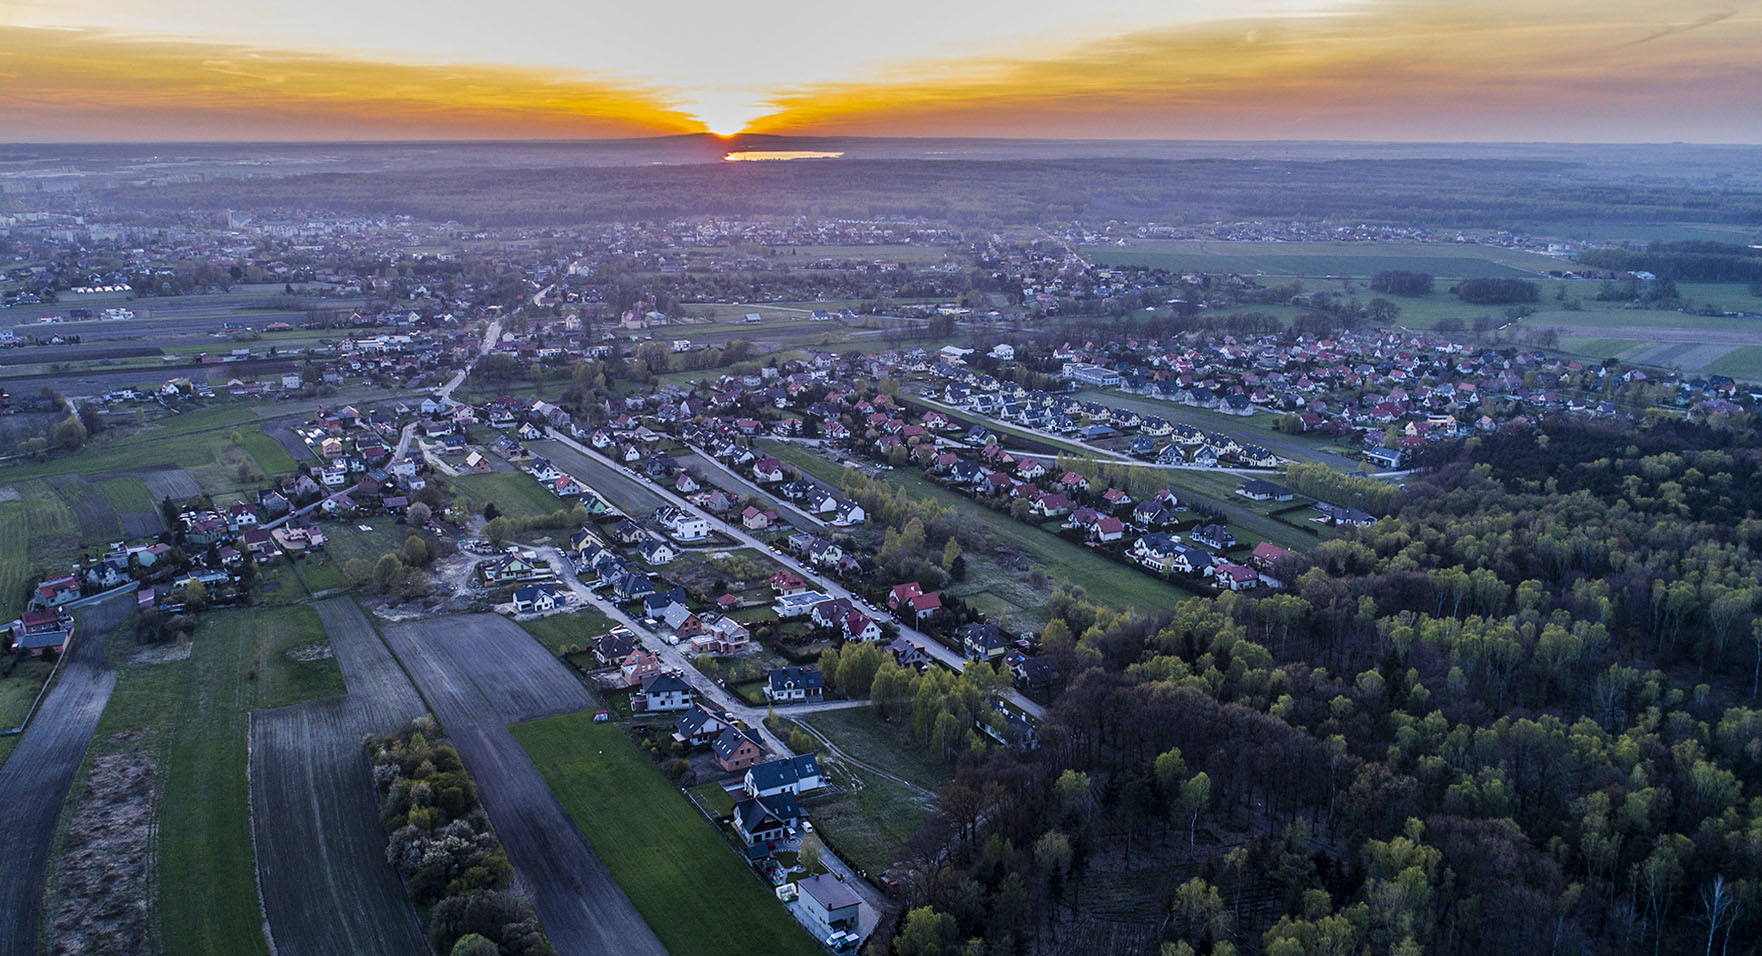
column 479, row 674
column 326, row 887
column 35, row 781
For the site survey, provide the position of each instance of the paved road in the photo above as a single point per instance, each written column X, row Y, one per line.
column 934, row 647
column 674, row 657
column 491, row 335
column 35, row 781
column 742, row 483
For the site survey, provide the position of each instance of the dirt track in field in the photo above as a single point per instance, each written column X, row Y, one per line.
column 327, row 889
column 481, row 673
column 35, row 781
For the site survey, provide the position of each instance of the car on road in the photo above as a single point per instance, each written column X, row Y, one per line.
column 807, row 827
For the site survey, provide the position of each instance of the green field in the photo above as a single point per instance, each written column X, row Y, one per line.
column 18, row 690
column 696, row 894
column 192, row 715
column 515, row 494
column 281, row 680
column 1108, row 582
column 1743, row 362
column 1459, row 260
column 128, row 495
column 268, row 453
column 872, row 824
column 38, row 533
column 575, row 629
column 345, row 542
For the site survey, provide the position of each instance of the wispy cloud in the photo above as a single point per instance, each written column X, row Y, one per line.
column 85, row 85
column 1395, row 69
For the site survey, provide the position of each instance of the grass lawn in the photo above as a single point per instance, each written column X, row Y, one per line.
column 282, row 680
column 192, row 714
column 712, row 796
column 319, row 572
column 18, row 690
column 866, row 737
column 344, row 542
column 127, row 495
column 665, row 856
column 515, row 494
column 1743, row 362
column 1107, row 582
column 869, row 827
column 871, row 824
column 572, row 630
column 268, row 453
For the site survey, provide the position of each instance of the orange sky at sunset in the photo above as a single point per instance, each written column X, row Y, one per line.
column 1381, row 69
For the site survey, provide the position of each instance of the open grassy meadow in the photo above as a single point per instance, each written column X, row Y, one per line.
column 575, row 629
column 1459, row 260
column 514, row 493
column 687, row 883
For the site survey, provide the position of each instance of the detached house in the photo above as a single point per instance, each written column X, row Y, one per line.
column 787, row 685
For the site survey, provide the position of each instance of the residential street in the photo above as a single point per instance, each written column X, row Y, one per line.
column 733, row 530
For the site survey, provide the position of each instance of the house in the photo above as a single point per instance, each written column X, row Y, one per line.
column 764, row 823
column 638, row 666
column 1156, row 551
column 721, row 635
column 790, row 775
column 655, row 551
column 683, row 525
column 680, row 620
column 512, row 569
column 909, row 653
column 57, row 591
column 787, row 685
column 1034, row 674
column 1266, row 555
column 477, row 464
column 1214, row 536
column 1342, row 515
column 983, row 642
column 656, row 604
column 828, row 905
column 902, row 594
column 35, row 632
column 613, row 649
column 736, row 749
column 1107, row 529
column 535, row 598
column 663, row 692
column 1236, row 577
column 767, row 470
column 1260, row 490
column 788, row 582
column 797, row 603
column 755, row 520
column 925, row 606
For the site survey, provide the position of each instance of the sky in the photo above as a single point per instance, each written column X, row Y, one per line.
column 1408, row 70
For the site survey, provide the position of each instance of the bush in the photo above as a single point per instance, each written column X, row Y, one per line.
column 1486, row 291
column 1396, row 282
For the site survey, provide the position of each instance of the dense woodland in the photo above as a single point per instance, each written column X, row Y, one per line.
column 1518, row 715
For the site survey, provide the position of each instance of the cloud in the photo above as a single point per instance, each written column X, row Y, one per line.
column 1395, row 69
column 87, row 85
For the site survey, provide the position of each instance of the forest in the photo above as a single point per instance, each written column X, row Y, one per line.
column 1693, row 261
column 1517, row 715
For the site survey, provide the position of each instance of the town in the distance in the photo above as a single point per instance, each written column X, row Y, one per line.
column 981, row 572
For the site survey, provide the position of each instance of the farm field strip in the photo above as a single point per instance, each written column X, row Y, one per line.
column 619, row 490
column 665, row 856
column 320, row 850
column 36, row 777
column 458, row 663
column 1106, row 581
